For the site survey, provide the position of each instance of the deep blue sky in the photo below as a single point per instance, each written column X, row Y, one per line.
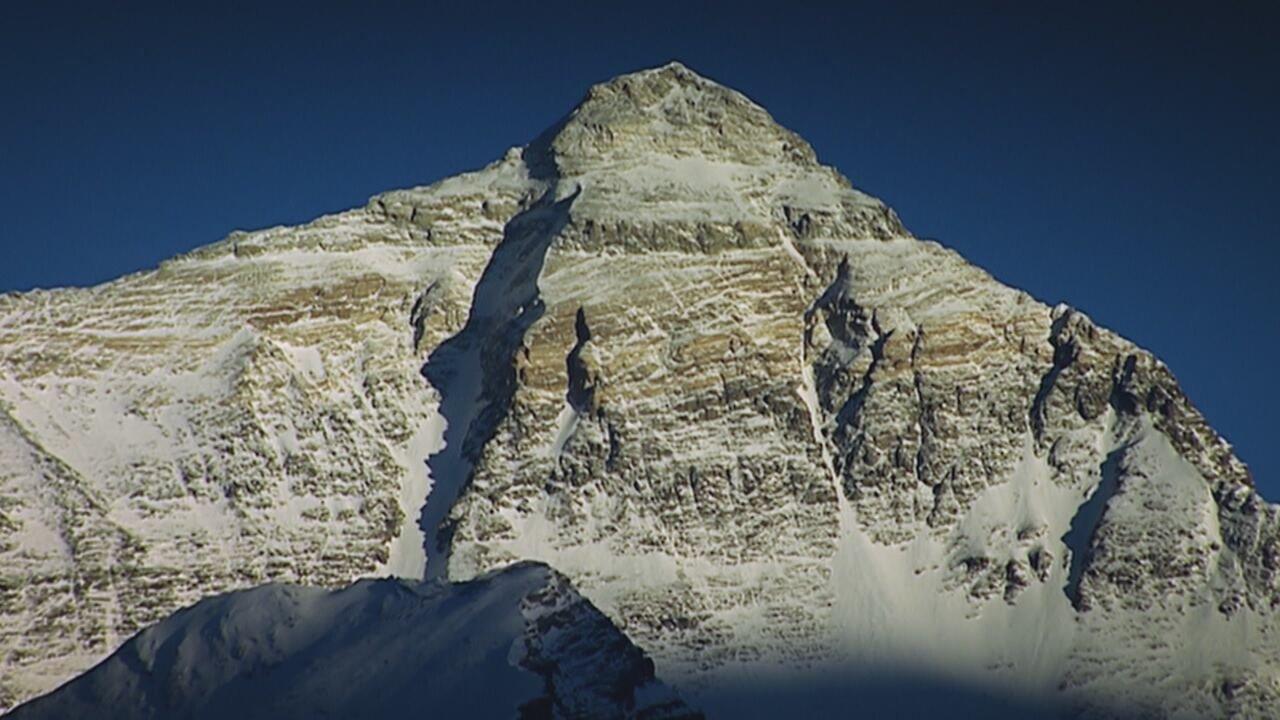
column 1123, row 160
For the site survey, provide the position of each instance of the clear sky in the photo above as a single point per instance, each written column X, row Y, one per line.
column 1120, row 158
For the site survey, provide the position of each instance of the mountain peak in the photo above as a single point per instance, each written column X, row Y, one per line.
column 670, row 111
column 667, row 353
column 674, row 72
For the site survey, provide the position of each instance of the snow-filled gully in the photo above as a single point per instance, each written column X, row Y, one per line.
column 474, row 371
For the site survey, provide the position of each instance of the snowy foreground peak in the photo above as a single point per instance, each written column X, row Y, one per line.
column 799, row 456
column 519, row 643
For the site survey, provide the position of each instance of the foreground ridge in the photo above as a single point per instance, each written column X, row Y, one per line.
column 665, row 350
column 515, row 643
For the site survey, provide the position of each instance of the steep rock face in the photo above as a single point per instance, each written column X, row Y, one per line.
column 811, row 438
column 515, row 643
column 758, row 424
column 249, row 412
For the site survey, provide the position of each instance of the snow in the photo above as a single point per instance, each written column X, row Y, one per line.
column 893, row 603
column 448, row 466
column 374, row 649
column 408, row 557
column 306, row 359
column 472, row 368
column 568, row 422
column 790, row 247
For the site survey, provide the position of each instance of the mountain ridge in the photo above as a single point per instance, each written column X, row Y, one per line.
column 510, row 643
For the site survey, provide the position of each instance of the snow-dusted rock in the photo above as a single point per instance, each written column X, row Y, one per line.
column 666, row 351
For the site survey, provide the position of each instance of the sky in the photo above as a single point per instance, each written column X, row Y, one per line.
column 1118, row 157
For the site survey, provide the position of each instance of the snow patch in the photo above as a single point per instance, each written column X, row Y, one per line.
column 408, row 556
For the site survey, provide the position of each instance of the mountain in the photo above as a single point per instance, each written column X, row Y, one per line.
column 666, row 351
column 516, row 643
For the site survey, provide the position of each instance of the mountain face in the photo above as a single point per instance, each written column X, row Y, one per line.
column 509, row 644
column 664, row 350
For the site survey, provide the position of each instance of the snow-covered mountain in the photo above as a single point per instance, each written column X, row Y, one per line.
column 663, row 349
column 519, row 643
